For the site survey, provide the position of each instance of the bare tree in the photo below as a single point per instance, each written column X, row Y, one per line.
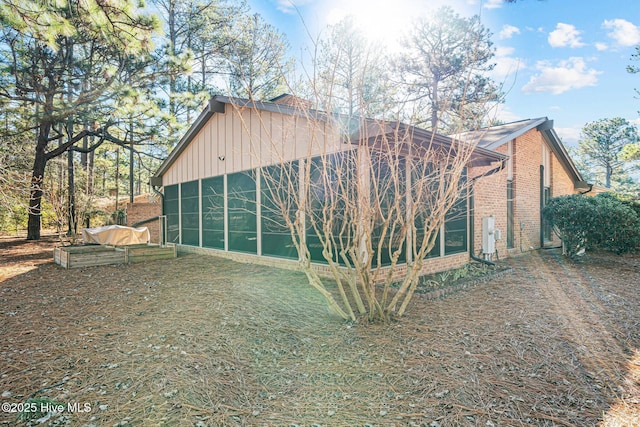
column 367, row 199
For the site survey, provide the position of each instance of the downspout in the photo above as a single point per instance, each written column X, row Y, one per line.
column 155, row 190
column 587, row 191
column 472, row 228
column 162, row 217
column 542, row 222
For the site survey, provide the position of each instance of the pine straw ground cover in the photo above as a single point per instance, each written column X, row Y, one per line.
column 206, row 342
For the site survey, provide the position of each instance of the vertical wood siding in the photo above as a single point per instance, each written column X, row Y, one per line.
column 246, row 139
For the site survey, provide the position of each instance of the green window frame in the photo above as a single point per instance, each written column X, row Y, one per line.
column 510, row 215
column 456, row 224
column 546, row 224
column 213, row 212
column 241, row 211
column 189, row 214
column 456, row 227
column 329, row 176
column 171, row 209
column 279, row 182
column 394, row 182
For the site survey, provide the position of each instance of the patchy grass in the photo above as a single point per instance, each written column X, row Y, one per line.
column 205, row 341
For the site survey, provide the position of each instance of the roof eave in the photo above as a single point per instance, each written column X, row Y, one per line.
column 213, row 106
column 480, row 156
column 519, row 132
column 554, row 142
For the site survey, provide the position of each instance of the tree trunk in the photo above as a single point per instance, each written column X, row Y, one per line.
column 71, row 214
column 131, row 163
column 117, row 181
column 35, row 193
column 435, row 105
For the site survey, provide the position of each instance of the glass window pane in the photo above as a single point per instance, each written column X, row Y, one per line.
column 170, row 208
column 279, row 187
column 213, row 212
column 190, row 217
column 242, row 212
column 455, row 228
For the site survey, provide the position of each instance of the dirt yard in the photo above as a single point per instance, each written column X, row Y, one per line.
column 209, row 342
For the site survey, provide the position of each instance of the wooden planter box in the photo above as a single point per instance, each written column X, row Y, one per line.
column 86, row 256
column 91, row 255
column 142, row 253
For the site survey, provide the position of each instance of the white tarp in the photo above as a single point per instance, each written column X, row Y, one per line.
column 115, row 235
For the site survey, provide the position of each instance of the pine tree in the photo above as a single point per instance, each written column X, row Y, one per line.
column 351, row 74
column 601, row 147
column 257, row 60
column 443, row 69
column 66, row 66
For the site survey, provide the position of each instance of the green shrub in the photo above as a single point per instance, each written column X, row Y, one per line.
column 601, row 222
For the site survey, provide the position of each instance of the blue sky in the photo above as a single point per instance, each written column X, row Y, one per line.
column 564, row 59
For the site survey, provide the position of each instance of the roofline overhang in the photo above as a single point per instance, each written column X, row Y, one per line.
column 375, row 129
column 218, row 104
column 537, row 123
column 480, row 157
column 545, row 126
column 213, row 106
column 555, row 144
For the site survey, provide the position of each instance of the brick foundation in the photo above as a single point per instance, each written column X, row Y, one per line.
column 433, row 265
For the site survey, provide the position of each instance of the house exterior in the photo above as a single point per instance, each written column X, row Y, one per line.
column 538, row 167
column 214, row 200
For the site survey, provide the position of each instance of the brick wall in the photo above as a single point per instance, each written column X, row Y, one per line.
column 561, row 184
column 432, row 265
column 491, row 194
column 137, row 212
column 490, row 199
column 526, row 177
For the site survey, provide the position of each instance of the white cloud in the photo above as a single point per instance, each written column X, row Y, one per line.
column 601, row 46
column 289, row 6
column 507, row 66
column 565, row 35
column 502, row 113
column 502, row 51
column 566, row 75
column 508, row 31
column 569, row 136
column 493, row 4
column 285, row 6
column 623, row 32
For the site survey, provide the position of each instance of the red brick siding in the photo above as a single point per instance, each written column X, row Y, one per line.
column 137, row 212
column 561, row 184
column 491, row 194
column 490, row 199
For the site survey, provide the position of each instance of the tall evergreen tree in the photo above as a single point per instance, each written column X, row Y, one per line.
column 601, row 146
column 68, row 64
column 257, row 60
column 191, row 57
column 443, row 69
column 350, row 73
